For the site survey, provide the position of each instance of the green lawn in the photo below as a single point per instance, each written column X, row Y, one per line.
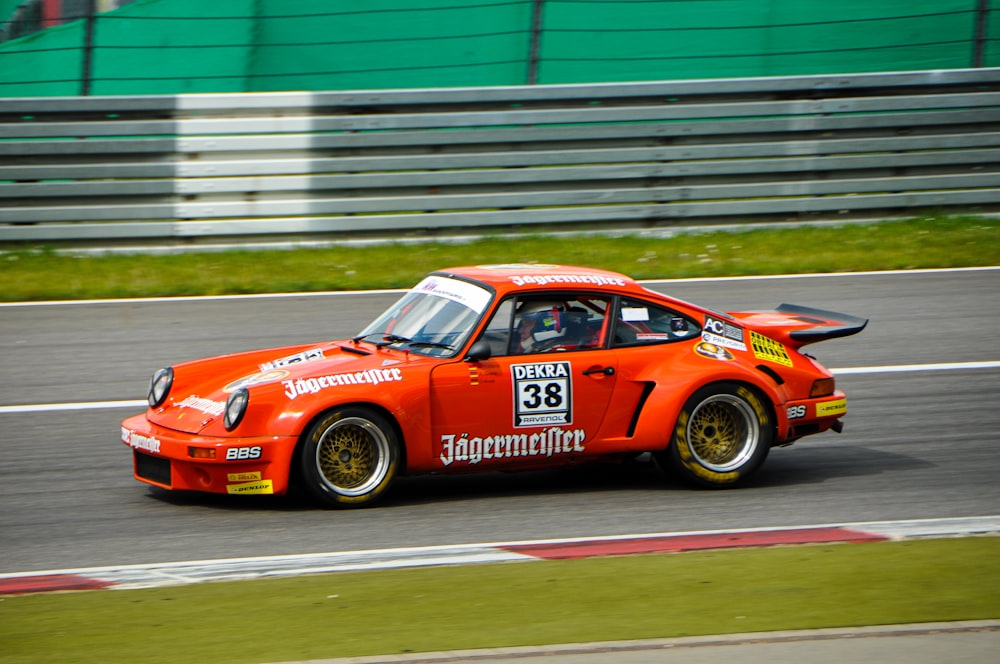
column 932, row 242
column 511, row 604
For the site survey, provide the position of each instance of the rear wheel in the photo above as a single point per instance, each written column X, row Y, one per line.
column 349, row 457
column 722, row 435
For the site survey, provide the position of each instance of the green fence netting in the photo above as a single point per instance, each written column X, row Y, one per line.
column 178, row 46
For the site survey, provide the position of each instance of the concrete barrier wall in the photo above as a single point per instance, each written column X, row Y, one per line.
column 322, row 165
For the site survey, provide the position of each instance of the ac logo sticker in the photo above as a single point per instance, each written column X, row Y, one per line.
column 723, row 334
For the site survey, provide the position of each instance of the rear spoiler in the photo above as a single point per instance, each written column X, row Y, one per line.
column 831, row 324
column 797, row 326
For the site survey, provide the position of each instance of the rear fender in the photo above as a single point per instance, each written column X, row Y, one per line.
column 660, row 411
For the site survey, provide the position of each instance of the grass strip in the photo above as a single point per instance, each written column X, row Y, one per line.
column 513, row 604
column 932, row 242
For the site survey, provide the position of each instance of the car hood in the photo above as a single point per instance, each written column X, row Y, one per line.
column 274, row 377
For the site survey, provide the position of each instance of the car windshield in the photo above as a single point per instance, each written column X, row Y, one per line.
column 435, row 318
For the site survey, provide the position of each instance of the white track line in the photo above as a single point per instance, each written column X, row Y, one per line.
column 88, row 405
column 137, row 403
column 904, row 368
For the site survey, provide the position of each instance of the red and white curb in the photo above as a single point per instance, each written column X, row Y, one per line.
column 235, row 569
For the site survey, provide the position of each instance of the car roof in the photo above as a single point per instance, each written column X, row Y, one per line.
column 514, row 276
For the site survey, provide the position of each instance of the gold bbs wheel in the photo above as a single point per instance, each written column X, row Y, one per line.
column 350, row 457
column 723, row 432
column 721, row 436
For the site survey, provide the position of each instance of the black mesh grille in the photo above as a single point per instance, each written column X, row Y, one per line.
column 154, row 469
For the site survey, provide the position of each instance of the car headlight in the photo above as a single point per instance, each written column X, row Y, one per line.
column 159, row 386
column 236, row 408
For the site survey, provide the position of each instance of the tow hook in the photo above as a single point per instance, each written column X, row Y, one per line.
column 838, row 426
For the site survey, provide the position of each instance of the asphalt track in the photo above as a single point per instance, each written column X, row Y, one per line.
column 920, row 444
column 920, row 441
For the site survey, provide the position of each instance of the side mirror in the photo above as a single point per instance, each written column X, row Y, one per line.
column 479, row 351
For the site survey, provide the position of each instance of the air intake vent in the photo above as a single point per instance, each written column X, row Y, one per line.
column 154, row 469
column 775, row 376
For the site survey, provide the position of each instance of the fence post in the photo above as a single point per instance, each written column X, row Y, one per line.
column 982, row 11
column 536, row 38
column 88, row 48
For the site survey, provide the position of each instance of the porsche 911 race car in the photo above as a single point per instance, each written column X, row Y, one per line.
column 495, row 367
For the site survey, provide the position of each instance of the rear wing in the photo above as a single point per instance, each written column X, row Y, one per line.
column 831, row 324
column 797, row 325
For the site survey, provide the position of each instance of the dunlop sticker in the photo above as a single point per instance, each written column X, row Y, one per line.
column 838, row 407
column 247, row 488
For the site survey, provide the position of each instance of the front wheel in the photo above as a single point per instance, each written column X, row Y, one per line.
column 349, row 457
column 722, row 435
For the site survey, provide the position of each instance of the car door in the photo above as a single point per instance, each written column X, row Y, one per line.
column 527, row 405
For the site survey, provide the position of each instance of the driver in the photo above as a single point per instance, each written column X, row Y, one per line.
column 532, row 318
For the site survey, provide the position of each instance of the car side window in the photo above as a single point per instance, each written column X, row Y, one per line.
column 497, row 331
column 640, row 323
column 550, row 322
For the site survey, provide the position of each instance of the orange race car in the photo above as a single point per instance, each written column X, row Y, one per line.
column 495, row 367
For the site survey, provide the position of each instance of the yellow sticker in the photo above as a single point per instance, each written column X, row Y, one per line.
column 264, row 486
column 828, row 408
column 243, row 477
column 768, row 349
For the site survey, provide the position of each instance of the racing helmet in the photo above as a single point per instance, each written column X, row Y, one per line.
column 545, row 314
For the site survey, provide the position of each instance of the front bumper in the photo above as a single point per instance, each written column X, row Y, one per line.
column 188, row 462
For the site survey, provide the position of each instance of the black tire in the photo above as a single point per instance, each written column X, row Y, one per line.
column 722, row 435
column 350, row 457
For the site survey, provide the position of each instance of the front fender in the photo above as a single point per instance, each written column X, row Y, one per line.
column 285, row 409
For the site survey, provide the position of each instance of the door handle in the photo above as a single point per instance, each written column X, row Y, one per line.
column 607, row 371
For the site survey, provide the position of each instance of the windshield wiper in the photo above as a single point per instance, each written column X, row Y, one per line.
column 391, row 339
column 429, row 344
column 397, row 339
column 378, row 344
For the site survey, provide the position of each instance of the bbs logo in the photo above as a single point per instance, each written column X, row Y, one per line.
column 243, row 453
column 795, row 412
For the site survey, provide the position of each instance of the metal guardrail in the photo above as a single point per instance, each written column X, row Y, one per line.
column 335, row 165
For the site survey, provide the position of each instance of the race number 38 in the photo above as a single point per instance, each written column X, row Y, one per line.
column 542, row 394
